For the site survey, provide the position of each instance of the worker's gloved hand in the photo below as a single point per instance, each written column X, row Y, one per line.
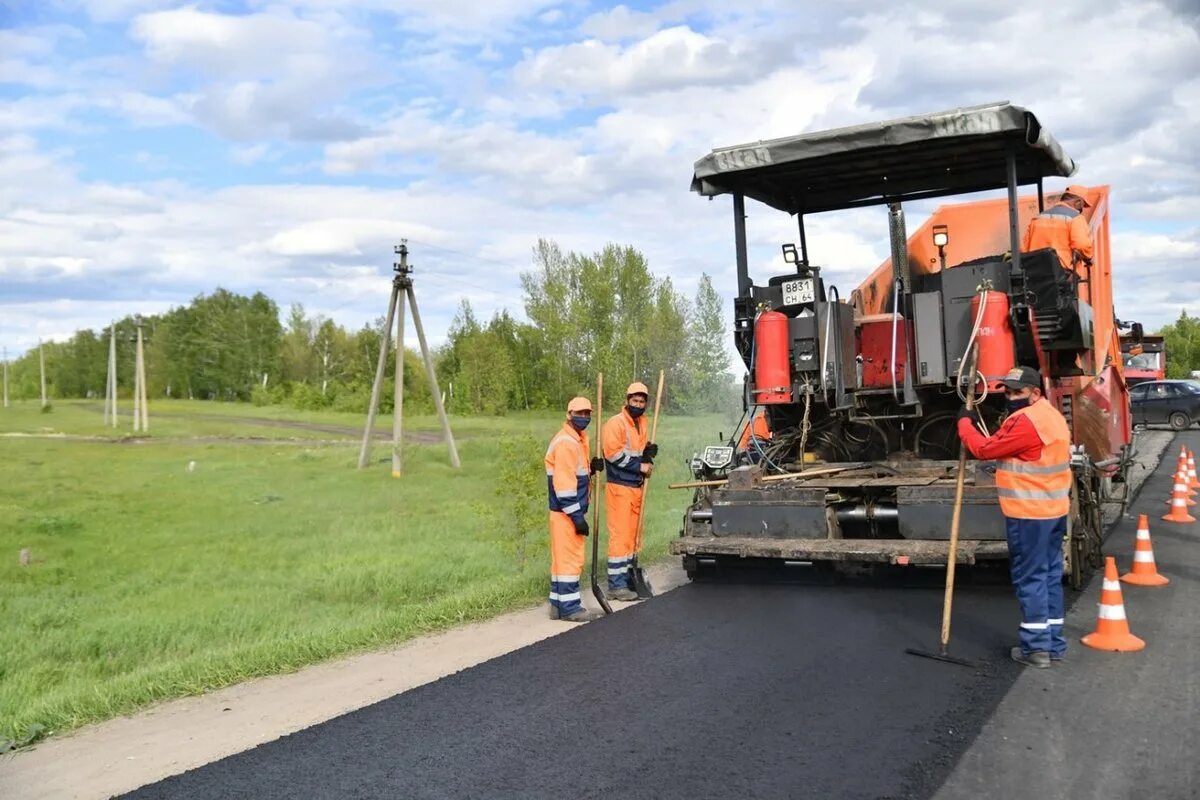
column 649, row 452
column 581, row 527
column 971, row 414
column 597, row 464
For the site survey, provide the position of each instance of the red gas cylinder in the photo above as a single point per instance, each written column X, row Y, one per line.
column 997, row 345
column 772, row 361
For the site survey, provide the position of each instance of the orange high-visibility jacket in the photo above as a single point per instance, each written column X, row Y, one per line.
column 623, row 440
column 1038, row 489
column 567, row 473
column 759, row 428
column 1062, row 228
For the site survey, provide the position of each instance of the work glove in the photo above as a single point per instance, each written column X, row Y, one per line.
column 597, row 464
column 649, row 452
column 971, row 414
column 581, row 526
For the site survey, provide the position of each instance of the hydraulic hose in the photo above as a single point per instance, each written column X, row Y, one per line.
column 962, row 364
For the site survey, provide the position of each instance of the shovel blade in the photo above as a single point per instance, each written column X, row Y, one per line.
column 641, row 584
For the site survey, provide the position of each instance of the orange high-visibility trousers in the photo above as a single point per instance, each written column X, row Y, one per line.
column 566, row 564
column 622, row 509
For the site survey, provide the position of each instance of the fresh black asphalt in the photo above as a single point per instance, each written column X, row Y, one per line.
column 712, row 690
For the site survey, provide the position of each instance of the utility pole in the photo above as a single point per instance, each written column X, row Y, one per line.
column 6, row 377
column 141, row 414
column 110, row 391
column 402, row 289
column 42, row 362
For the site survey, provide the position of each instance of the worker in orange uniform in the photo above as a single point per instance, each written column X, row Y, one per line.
column 1062, row 226
column 568, row 473
column 1032, row 449
column 755, row 436
column 629, row 460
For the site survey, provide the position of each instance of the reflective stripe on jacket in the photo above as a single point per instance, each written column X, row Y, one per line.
column 623, row 440
column 1041, row 488
column 1062, row 228
column 567, row 472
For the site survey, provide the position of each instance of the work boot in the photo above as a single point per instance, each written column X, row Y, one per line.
column 1038, row 660
column 622, row 594
column 582, row 615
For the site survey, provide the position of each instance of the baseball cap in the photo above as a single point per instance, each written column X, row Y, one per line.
column 1079, row 191
column 1020, row 377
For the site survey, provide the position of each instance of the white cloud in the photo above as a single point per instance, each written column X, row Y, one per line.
column 675, row 57
column 618, row 23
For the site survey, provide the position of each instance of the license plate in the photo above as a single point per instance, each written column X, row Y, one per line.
column 798, row 291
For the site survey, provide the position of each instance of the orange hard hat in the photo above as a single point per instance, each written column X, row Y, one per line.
column 1078, row 191
column 637, row 387
column 579, row 404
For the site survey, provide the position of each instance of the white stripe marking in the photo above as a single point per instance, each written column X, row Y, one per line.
column 1143, row 534
column 1112, row 612
column 1112, row 586
column 1056, row 621
column 1035, row 626
column 564, row 578
column 1143, row 557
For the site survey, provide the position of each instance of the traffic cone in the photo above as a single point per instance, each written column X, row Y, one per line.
column 1178, row 512
column 1145, row 571
column 1112, row 629
column 1193, row 484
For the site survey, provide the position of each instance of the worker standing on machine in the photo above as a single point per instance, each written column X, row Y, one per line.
column 629, row 460
column 568, row 471
column 755, row 436
column 1032, row 449
column 1062, row 226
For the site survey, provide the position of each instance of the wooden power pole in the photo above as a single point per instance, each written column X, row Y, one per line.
column 110, row 390
column 141, row 414
column 42, row 363
column 402, row 290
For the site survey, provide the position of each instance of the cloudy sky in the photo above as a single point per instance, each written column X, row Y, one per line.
column 152, row 150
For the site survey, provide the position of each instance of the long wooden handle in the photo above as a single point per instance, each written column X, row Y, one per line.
column 595, row 487
column 637, row 548
column 812, row 473
column 959, row 487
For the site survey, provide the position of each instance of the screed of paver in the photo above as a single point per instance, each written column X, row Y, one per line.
column 122, row 754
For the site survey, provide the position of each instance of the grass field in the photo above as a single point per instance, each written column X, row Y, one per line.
column 147, row 580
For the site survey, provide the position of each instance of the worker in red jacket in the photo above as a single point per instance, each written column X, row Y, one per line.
column 568, row 475
column 1032, row 449
column 1063, row 227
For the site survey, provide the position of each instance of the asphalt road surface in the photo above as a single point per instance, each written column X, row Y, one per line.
column 716, row 690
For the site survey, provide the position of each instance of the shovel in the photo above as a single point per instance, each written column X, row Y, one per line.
column 594, row 497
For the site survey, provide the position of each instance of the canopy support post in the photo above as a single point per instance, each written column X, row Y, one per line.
column 739, row 243
column 1014, row 236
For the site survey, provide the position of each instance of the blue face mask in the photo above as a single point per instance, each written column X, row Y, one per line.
column 635, row 412
column 580, row 423
column 1017, row 403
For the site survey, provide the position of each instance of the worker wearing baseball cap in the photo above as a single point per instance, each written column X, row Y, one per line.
column 629, row 460
column 1063, row 227
column 1032, row 449
column 568, row 470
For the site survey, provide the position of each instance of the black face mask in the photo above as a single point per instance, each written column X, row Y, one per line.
column 1017, row 403
column 634, row 412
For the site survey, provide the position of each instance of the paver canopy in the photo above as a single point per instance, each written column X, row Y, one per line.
column 950, row 152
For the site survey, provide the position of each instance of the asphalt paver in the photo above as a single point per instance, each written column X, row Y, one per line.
column 712, row 690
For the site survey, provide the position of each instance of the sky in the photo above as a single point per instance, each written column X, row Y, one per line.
column 151, row 150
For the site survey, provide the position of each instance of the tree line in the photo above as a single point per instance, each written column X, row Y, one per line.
column 587, row 313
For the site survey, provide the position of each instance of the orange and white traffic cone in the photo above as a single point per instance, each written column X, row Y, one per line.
column 1179, row 498
column 1181, row 469
column 1145, row 571
column 1112, row 629
column 1193, row 484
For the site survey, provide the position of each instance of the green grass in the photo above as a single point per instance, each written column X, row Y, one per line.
column 149, row 581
